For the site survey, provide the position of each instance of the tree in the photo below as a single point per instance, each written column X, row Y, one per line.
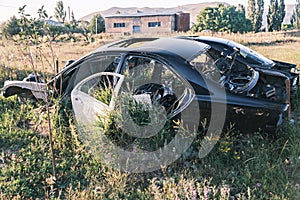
column 255, row 14
column 251, row 14
column 259, row 15
column 72, row 27
column 272, row 15
column 10, row 28
column 54, row 31
column 85, row 31
column 73, row 20
column 281, row 12
column 59, row 12
column 295, row 19
column 243, row 24
column 206, row 20
column 31, row 28
column 97, row 24
column 275, row 15
column 223, row 19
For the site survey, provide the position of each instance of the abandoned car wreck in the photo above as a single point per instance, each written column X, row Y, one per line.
column 175, row 72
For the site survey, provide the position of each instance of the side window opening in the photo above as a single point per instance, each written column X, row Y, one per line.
column 144, row 75
column 96, row 64
column 205, row 64
column 94, row 96
column 100, row 88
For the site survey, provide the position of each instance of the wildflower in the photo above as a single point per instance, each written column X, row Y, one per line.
column 236, row 155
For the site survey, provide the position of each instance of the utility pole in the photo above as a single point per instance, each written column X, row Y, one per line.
column 69, row 13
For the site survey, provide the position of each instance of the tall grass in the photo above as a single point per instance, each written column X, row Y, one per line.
column 252, row 166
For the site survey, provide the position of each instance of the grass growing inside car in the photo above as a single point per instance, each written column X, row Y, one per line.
column 103, row 95
column 241, row 166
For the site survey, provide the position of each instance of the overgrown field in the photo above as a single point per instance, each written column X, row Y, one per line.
column 241, row 166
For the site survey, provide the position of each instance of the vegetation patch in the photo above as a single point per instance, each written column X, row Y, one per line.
column 252, row 166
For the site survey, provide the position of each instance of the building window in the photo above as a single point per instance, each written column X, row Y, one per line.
column 153, row 24
column 119, row 25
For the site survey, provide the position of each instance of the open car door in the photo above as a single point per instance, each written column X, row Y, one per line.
column 95, row 96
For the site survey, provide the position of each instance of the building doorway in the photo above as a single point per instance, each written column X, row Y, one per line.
column 136, row 29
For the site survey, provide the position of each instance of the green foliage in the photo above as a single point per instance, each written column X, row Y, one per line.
column 103, row 94
column 73, row 20
column 25, row 25
column 223, row 18
column 272, row 17
column 275, row 15
column 26, row 158
column 59, row 12
column 207, row 20
column 54, row 31
column 31, row 28
column 97, row 24
column 286, row 27
column 36, row 28
column 86, row 32
column 251, row 14
column 281, row 12
column 254, row 166
column 10, row 28
column 259, row 15
column 255, row 14
column 295, row 19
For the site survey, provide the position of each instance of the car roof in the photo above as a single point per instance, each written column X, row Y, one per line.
column 187, row 49
column 210, row 40
column 214, row 39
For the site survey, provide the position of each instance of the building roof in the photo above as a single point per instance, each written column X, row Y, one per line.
column 54, row 23
column 141, row 14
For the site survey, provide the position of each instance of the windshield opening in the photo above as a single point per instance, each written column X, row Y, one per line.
column 253, row 57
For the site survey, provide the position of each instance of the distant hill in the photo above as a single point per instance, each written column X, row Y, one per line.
column 193, row 9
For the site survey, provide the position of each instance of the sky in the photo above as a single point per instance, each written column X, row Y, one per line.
column 8, row 8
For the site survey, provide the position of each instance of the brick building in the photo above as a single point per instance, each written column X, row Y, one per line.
column 147, row 23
